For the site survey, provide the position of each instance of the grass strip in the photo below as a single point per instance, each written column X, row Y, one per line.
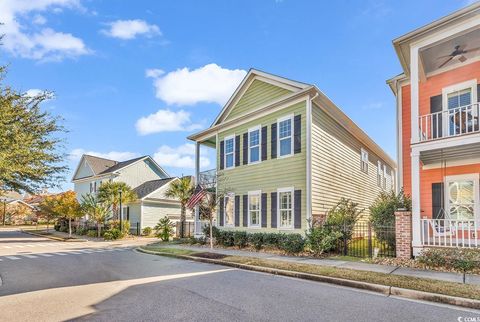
column 408, row 282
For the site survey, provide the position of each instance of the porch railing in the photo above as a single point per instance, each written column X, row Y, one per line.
column 453, row 122
column 208, row 179
column 450, row 233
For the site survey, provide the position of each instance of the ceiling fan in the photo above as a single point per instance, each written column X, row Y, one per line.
column 457, row 54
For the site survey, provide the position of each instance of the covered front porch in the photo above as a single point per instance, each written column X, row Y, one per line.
column 446, row 198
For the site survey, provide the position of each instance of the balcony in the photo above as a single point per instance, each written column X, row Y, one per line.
column 450, row 233
column 451, row 123
column 208, row 179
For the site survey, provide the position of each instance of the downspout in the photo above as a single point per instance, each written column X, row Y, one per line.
column 309, row 159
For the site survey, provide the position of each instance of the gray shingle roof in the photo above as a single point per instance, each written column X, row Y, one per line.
column 150, row 186
column 120, row 165
column 99, row 165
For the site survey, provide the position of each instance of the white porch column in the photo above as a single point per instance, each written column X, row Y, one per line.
column 414, row 93
column 416, row 238
column 198, row 224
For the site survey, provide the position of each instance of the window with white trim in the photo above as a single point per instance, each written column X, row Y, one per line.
column 254, row 141
column 461, row 196
column 230, row 152
column 285, row 139
column 229, row 209
column 379, row 174
column 384, row 176
column 364, row 161
column 254, row 208
column 285, row 208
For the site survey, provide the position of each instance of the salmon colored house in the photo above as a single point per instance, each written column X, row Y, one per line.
column 438, row 123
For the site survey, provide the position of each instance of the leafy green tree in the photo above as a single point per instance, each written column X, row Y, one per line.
column 182, row 190
column 109, row 193
column 96, row 210
column 30, row 142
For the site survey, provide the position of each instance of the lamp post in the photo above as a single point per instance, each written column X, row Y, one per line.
column 121, row 213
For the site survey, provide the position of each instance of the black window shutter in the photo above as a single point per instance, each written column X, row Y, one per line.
column 437, row 201
column 220, row 205
column 274, row 141
column 128, row 213
column 245, row 210
column 436, row 106
column 237, row 151
column 297, row 134
column 222, row 155
column 478, row 92
column 264, row 143
column 273, row 200
column 297, row 211
column 237, row 211
column 264, row 209
column 245, row 148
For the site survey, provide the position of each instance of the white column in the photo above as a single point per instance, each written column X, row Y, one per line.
column 416, row 239
column 414, row 93
column 198, row 224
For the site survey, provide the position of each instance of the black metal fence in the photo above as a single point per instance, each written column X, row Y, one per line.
column 366, row 240
column 188, row 229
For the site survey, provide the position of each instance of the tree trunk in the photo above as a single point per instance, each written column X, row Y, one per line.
column 69, row 227
column 182, row 221
column 98, row 230
column 47, row 225
column 211, row 231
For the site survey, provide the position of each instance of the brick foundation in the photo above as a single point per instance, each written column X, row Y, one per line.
column 403, row 234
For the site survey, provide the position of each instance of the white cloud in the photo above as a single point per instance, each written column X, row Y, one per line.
column 182, row 156
column 76, row 154
column 154, row 73
column 46, row 44
column 129, row 29
column 166, row 121
column 210, row 83
column 34, row 92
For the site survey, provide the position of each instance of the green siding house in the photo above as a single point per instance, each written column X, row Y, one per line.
column 285, row 155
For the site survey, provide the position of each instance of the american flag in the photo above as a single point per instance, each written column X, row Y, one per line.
column 196, row 197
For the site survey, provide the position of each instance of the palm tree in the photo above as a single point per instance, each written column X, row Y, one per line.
column 108, row 193
column 181, row 190
column 98, row 211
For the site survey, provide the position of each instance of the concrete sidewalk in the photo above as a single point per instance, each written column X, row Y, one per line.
column 387, row 269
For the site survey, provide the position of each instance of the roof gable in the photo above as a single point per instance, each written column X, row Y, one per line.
column 257, row 89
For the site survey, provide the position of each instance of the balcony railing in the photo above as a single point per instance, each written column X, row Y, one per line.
column 450, row 233
column 208, row 179
column 453, row 122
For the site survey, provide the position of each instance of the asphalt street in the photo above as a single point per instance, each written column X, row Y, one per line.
column 98, row 281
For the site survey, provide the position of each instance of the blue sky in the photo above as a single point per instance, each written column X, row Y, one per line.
column 136, row 77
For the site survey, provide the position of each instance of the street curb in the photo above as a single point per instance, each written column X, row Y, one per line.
column 72, row 240
column 377, row 288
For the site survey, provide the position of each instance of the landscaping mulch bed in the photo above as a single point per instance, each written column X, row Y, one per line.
column 411, row 263
column 209, row 255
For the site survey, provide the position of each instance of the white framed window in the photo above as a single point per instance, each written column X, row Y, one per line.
column 379, row 174
column 461, row 196
column 230, row 152
column 457, row 100
column 254, row 208
column 285, row 136
column 384, row 176
column 229, row 209
column 254, row 144
column 364, row 160
column 285, row 208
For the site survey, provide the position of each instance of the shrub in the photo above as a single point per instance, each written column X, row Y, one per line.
column 92, row 233
column 291, row 243
column 164, row 229
column 63, row 229
column 271, row 239
column 322, row 239
column 463, row 259
column 225, row 238
column 215, row 231
column 256, row 240
column 240, row 239
column 342, row 218
column 112, row 234
column 147, row 231
column 382, row 214
column 81, row 231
